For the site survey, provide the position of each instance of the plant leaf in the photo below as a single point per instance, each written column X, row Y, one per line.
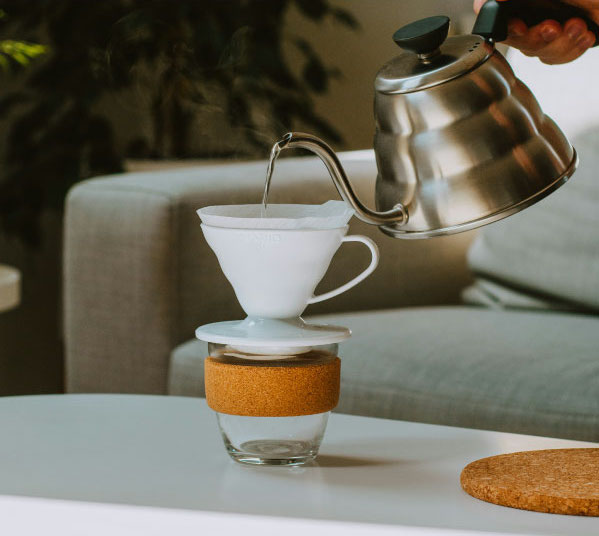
column 346, row 18
column 313, row 9
column 315, row 75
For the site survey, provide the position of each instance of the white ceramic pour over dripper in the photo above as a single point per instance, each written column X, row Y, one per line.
column 274, row 264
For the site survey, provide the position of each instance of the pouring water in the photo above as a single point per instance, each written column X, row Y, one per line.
column 274, row 154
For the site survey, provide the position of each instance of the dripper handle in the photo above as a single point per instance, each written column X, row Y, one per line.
column 493, row 18
column 374, row 251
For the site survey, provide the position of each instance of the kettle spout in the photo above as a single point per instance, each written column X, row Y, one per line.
column 398, row 215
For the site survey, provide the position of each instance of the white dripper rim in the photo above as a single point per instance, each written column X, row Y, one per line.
column 329, row 215
column 272, row 336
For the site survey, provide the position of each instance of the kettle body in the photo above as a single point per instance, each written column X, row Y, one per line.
column 462, row 151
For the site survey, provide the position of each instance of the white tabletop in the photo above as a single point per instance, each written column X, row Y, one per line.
column 166, row 452
column 10, row 279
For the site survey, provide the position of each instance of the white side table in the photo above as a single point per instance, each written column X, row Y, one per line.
column 10, row 287
column 123, row 465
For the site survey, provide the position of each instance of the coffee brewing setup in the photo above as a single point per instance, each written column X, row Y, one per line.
column 460, row 142
column 273, row 378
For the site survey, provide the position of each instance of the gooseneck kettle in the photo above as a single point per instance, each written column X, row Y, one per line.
column 460, row 141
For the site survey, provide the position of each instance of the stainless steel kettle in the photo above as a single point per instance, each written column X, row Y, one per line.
column 460, row 141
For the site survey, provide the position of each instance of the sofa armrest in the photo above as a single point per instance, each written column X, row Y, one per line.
column 139, row 277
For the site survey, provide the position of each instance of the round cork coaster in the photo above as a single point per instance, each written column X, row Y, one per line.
column 560, row 481
column 272, row 391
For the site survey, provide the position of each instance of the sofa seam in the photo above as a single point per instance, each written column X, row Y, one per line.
column 174, row 316
column 445, row 398
column 554, row 301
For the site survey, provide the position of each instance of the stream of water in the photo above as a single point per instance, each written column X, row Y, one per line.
column 274, row 153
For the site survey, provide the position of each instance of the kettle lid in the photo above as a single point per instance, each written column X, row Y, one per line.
column 429, row 58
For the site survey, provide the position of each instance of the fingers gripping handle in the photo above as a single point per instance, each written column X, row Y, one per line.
column 493, row 18
column 374, row 251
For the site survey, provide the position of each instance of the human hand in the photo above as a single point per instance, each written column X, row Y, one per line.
column 550, row 41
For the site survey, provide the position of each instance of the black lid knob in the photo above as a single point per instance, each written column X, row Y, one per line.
column 423, row 36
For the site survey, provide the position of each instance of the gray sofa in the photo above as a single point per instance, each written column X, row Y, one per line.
column 521, row 355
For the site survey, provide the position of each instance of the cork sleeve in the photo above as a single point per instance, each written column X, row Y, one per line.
column 272, row 391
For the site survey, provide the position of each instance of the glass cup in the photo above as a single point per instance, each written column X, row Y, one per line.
column 272, row 440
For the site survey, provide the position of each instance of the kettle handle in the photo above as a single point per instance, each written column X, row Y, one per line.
column 493, row 18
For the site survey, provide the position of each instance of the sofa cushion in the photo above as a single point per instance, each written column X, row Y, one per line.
column 186, row 369
column 552, row 248
column 526, row 372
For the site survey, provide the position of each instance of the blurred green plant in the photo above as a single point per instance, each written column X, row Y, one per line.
column 179, row 59
column 19, row 53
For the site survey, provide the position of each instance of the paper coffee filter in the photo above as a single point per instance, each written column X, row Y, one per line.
column 329, row 215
